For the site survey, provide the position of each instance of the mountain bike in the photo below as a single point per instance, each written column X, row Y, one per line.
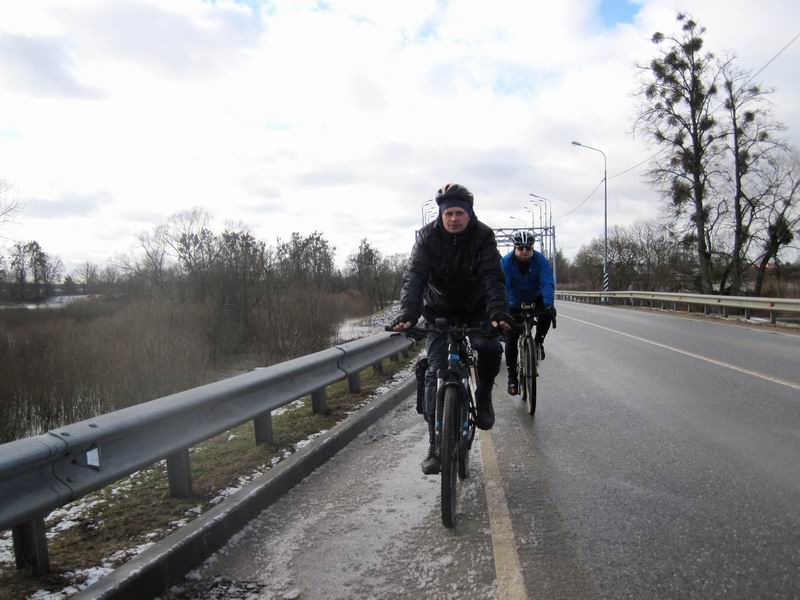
column 528, row 355
column 455, row 408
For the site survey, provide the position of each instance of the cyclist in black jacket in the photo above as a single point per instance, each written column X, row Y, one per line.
column 455, row 272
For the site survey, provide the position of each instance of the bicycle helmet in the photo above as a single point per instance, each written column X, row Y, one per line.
column 454, row 192
column 523, row 238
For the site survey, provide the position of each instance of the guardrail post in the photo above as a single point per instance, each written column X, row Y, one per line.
column 263, row 428
column 724, row 312
column 747, row 313
column 772, row 317
column 179, row 473
column 30, row 547
column 354, row 382
column 378, row 367
column 319, row 402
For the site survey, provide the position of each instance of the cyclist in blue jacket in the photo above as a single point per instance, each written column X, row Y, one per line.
column 529, row 280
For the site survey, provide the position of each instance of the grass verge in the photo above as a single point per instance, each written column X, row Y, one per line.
column 106, row 528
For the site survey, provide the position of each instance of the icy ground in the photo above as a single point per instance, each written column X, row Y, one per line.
column 353, row 329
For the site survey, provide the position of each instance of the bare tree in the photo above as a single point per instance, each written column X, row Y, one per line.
column 369, row 269
column 396, row 265
column 750, row 141
column 52, row 271
column 20, row 269
column 147, row 263
column 8, row 205
column 87, row 277
column 678, row 89
column 779, row 212
column 188, row 235
column 306, row 259
column 647, row 255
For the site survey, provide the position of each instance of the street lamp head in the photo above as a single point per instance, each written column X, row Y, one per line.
column 574, row 143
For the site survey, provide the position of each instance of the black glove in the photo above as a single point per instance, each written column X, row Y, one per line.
column 500, row 315
column 551, row 310
column 404, row 318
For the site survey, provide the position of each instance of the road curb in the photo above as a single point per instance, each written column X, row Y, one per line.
column 166, row 562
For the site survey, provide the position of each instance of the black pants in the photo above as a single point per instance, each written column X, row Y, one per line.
column 511, row 337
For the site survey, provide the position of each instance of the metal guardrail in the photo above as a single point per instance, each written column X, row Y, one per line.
column 41, row 473
column 747, row 303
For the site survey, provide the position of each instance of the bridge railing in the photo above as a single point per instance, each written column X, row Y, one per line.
column 41, row 473
column 747, row 304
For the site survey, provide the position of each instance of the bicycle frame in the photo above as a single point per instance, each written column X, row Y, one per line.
column 455, row 414
column 460, row 372
column 528, row 366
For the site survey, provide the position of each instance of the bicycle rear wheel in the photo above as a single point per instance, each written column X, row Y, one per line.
column 451, row 438
column 530, row 375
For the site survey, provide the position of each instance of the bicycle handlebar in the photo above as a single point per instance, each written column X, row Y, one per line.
column 528, row 310
column 450, row 329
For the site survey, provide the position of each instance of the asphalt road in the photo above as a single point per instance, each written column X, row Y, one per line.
column 663, row 462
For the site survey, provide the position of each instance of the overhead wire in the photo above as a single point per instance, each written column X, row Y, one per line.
column 8, row 238
column 582, row 202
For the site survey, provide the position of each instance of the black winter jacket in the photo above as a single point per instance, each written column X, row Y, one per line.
column 454, row 275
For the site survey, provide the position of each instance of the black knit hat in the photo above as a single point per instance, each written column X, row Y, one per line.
column 453, row 194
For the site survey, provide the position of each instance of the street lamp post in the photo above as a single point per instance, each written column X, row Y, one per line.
column 551, row 233
column 529, row 210
column 542, row 221
column 549, row 225
column 605, row 211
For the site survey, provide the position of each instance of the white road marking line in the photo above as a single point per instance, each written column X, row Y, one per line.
column 788, row 384
column 510, row 582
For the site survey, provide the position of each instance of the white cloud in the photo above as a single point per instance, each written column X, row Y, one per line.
column 342, row 116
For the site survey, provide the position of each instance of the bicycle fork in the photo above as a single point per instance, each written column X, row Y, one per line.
column 467, row 426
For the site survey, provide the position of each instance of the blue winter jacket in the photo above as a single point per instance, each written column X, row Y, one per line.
column 523, row 288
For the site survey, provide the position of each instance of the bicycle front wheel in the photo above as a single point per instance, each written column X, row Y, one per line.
column 467, row 430
column 522, row 368
column 530, row 375
column 451, row 438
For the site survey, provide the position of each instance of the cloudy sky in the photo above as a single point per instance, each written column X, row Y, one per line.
column 341, row 116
